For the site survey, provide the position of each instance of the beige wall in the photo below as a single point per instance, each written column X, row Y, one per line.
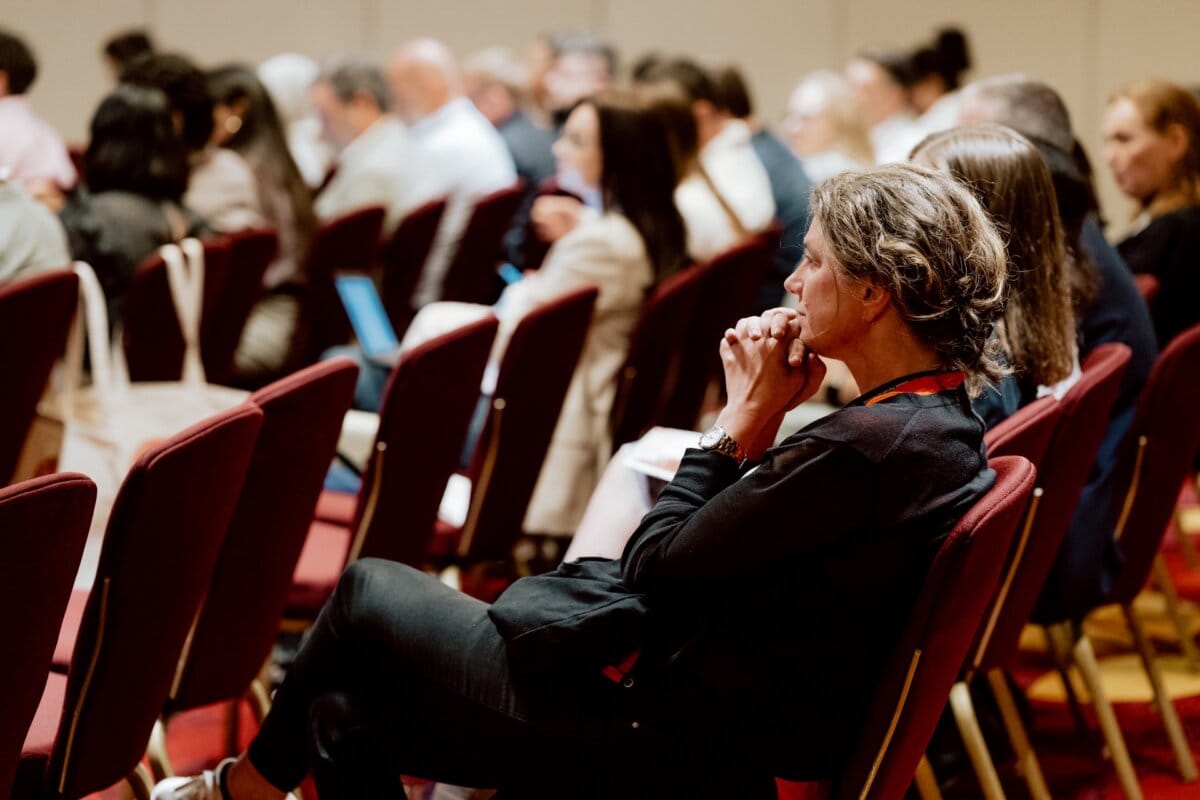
column 1086, row 48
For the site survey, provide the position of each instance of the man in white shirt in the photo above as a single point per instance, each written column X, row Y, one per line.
column 31, row 151
column 376, row 163
column 458, row 153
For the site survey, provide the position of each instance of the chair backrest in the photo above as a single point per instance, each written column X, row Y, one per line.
column 224, row 316
column 439, row 380
column 43, row 527
column 346, row 243
column 156, row 563
column 151, row 334
column 35, row 316
column 232, row 637
column 403, row 257
column 1027, row 433
column 471, row 274
column 909, row 699
column 1147, row 286
column 533, row 378
column 647, row 379
column 731, row 286
column 1160, row 453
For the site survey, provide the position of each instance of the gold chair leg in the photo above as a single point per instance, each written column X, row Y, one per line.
column 1166, row 708
column 1187, row 645
column 1085, row 660
column 968, row 728
column 260, row 699
column 1058, row 641
column 156, row 751
column 1027, row 763
column 140, row 782
column 926, row 781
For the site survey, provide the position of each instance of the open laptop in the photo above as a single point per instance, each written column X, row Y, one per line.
column 368, row 318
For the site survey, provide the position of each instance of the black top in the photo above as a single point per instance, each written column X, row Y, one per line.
column 792, row 580
column 790, row 189
column 1169, row 249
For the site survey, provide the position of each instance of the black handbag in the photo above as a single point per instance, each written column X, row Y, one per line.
column 579, row 617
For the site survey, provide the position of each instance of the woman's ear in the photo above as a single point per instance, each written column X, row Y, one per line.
column 874, row 299
column 1176, row 139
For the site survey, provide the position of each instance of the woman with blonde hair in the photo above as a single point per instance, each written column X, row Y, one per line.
column 1009, row 176
column 1151, row 131
column 825, row 126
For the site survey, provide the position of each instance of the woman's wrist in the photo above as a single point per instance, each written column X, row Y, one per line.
column 752, row 428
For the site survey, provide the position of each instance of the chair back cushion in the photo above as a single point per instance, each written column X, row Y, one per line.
column 404, row 256
column 35, row 315
column 43, row 526
column 302, row 417
column 155, row 566
column 471, row 275
column 226, row 310
column 908, row 701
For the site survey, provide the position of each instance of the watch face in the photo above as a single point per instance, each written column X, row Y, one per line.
column 710, row 438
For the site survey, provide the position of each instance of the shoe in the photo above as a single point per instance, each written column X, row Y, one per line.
column 205, row 786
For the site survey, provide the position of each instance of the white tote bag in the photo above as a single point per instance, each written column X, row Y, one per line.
column 109, row 423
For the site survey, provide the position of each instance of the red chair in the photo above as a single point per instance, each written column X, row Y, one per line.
column 152, row 337
column 166, row 528
column 731, row 286
column 1147, row 286
column 533, row 378
column 347, row 243
column 43, row 524
column 471, row 273
column 228, row 306
column 403, row 258
column 35, row 316
column 647, row 378
column 909, row 698
column 394, row 514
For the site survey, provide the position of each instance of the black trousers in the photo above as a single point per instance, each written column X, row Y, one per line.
column 403, row 675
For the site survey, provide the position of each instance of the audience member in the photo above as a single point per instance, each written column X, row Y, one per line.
column 460, row 155
column 881, row 82
column 376, row 162
column 539, row 58
column 790, row 186
column 937, row 69
column 135, row 171
column 247, row 123
column 31, row 237
column 496, row 83
column 826, row 128
column 403, row 675
column 1012, row 181
column 31, row 151
column 221, row 187
column 583, row 64
column 1152, row 146
column 724, row 193
column 122, row 48
column 288, row 78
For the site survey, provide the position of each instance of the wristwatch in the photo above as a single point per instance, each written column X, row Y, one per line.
column 717, row 440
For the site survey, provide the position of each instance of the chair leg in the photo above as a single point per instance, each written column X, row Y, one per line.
column 260, row 699
column 1027, row 762
column 1187, row 645
column 926, row 781
column 968, row 728
column 1085, row 659
column 156, row 751
column 1058, row 641
column 140, row 782
column 1166, row 708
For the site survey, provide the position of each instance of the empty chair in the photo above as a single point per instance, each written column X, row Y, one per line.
column 730, row 290
column 393, row 516
column 471, row 274
column 166, row 528
column 533, row 377
column 35, row 315
column 228, row 307
column 151, row 333
column 403, row 257
column 43, row 525
column 909, row 698
column 346, row 243
column 646, row 381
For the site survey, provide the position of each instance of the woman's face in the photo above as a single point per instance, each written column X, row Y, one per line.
column 809, row 123
column 830, row 311
column 577, row 151
column 1142, row 160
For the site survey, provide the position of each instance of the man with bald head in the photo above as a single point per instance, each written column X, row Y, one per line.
column 459, row 154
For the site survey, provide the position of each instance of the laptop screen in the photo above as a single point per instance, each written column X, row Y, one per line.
column 369, row 320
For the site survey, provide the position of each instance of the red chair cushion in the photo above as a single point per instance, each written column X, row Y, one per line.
column 39, row 741
column 445, row 540
column 321, row 563
column 336, row 507
column 69, row 631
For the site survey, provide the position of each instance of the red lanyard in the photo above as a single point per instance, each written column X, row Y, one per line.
column 924, row 385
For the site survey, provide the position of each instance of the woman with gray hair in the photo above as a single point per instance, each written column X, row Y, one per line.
column 772, row 588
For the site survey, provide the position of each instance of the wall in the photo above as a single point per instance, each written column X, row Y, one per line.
column 1085, row 48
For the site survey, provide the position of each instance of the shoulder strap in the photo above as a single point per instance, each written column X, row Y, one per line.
column 736, row 221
